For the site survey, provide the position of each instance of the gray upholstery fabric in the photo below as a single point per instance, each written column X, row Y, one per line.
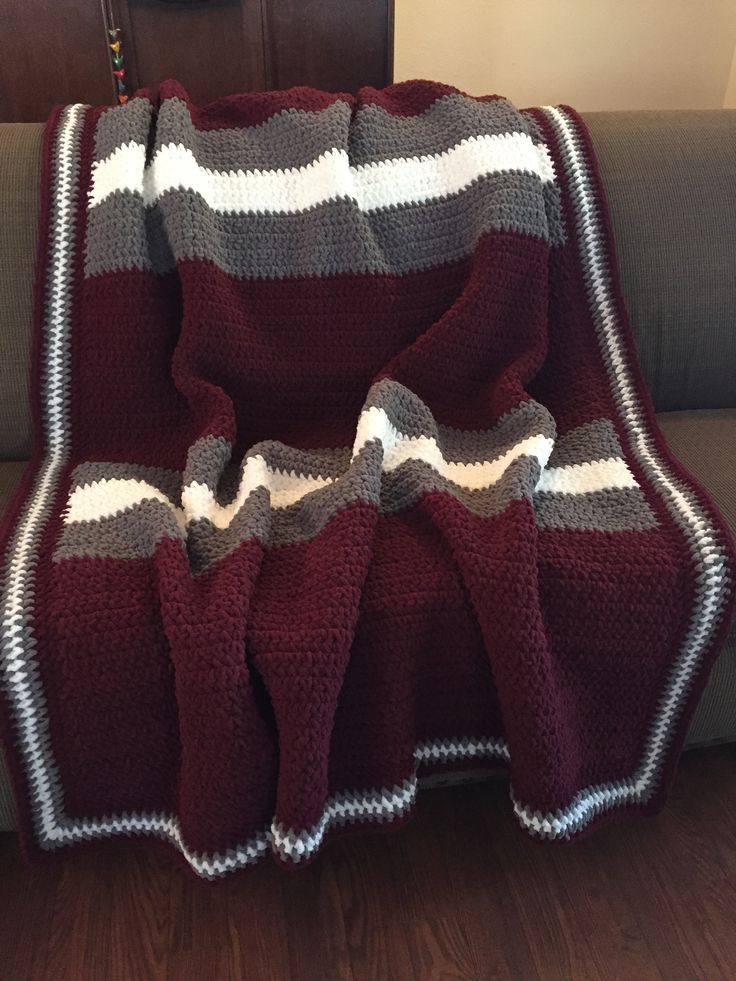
column 20, row 162
column 670, row 179
column 715, row 719
column 705, row 442
column 10, row 477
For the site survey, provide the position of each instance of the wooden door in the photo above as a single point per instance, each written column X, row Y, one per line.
column 56, row 51
column 51, row 52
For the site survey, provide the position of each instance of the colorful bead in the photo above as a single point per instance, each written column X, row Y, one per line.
column 117, row 65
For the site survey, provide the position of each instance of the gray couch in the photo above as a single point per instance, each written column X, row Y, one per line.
column 671, row 184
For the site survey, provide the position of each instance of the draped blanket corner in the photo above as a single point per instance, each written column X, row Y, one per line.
column 345, row 475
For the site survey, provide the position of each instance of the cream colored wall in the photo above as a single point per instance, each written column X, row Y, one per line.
column 729, row 100
column 593, row 54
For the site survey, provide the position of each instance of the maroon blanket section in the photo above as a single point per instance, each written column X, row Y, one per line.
column 410, row 581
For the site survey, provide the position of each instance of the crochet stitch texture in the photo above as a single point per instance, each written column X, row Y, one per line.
column 344, row 473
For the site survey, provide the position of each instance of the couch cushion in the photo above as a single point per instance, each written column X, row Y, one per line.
column 669, row 180
column 10, row 475
column 20, row 161
column 705, row 442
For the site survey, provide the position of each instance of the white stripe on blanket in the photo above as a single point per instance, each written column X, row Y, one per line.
column 372, row 186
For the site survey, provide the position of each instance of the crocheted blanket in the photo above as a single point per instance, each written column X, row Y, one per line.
column 345, row 474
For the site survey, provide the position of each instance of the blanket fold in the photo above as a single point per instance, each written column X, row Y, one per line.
column 345, row 473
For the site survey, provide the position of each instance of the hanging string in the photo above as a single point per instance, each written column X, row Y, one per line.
column 117, row 62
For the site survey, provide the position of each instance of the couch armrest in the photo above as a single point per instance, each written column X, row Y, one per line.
column 670, row 179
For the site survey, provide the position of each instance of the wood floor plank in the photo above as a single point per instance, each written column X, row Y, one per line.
column 26, row 909
column 374, row 915
column 257, row 926
column 483, row 898
column 317, row 942
column 198, row 929
column 198, row 916
column 79, row 935
column 437, row 944
column 139, row 917
column 200, row 962
column 587, row 886
column 460, row 894
column 561, row 950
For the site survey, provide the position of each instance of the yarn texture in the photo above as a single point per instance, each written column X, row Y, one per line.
column 345, row 474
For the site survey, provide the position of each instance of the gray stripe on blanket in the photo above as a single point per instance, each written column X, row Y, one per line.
column 167, row 481
column 296, row 137
column 412, row 417
column 290, row 138
column 377, row 134
column 622, row 509
column 333, row 237
column 595, row 440
column 131, row 534
column 119, row 125
column 209, row 457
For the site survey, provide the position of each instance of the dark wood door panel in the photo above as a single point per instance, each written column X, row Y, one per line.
column 213, row 47
column 56, row 51
column 52, row 52
column 339, row 45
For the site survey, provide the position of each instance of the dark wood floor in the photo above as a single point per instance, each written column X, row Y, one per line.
column 460, row 893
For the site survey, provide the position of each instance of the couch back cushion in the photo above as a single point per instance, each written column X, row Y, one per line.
column 670, row 179
column 20, row 162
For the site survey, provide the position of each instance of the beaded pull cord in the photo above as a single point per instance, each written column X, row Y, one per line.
column 117, row 65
